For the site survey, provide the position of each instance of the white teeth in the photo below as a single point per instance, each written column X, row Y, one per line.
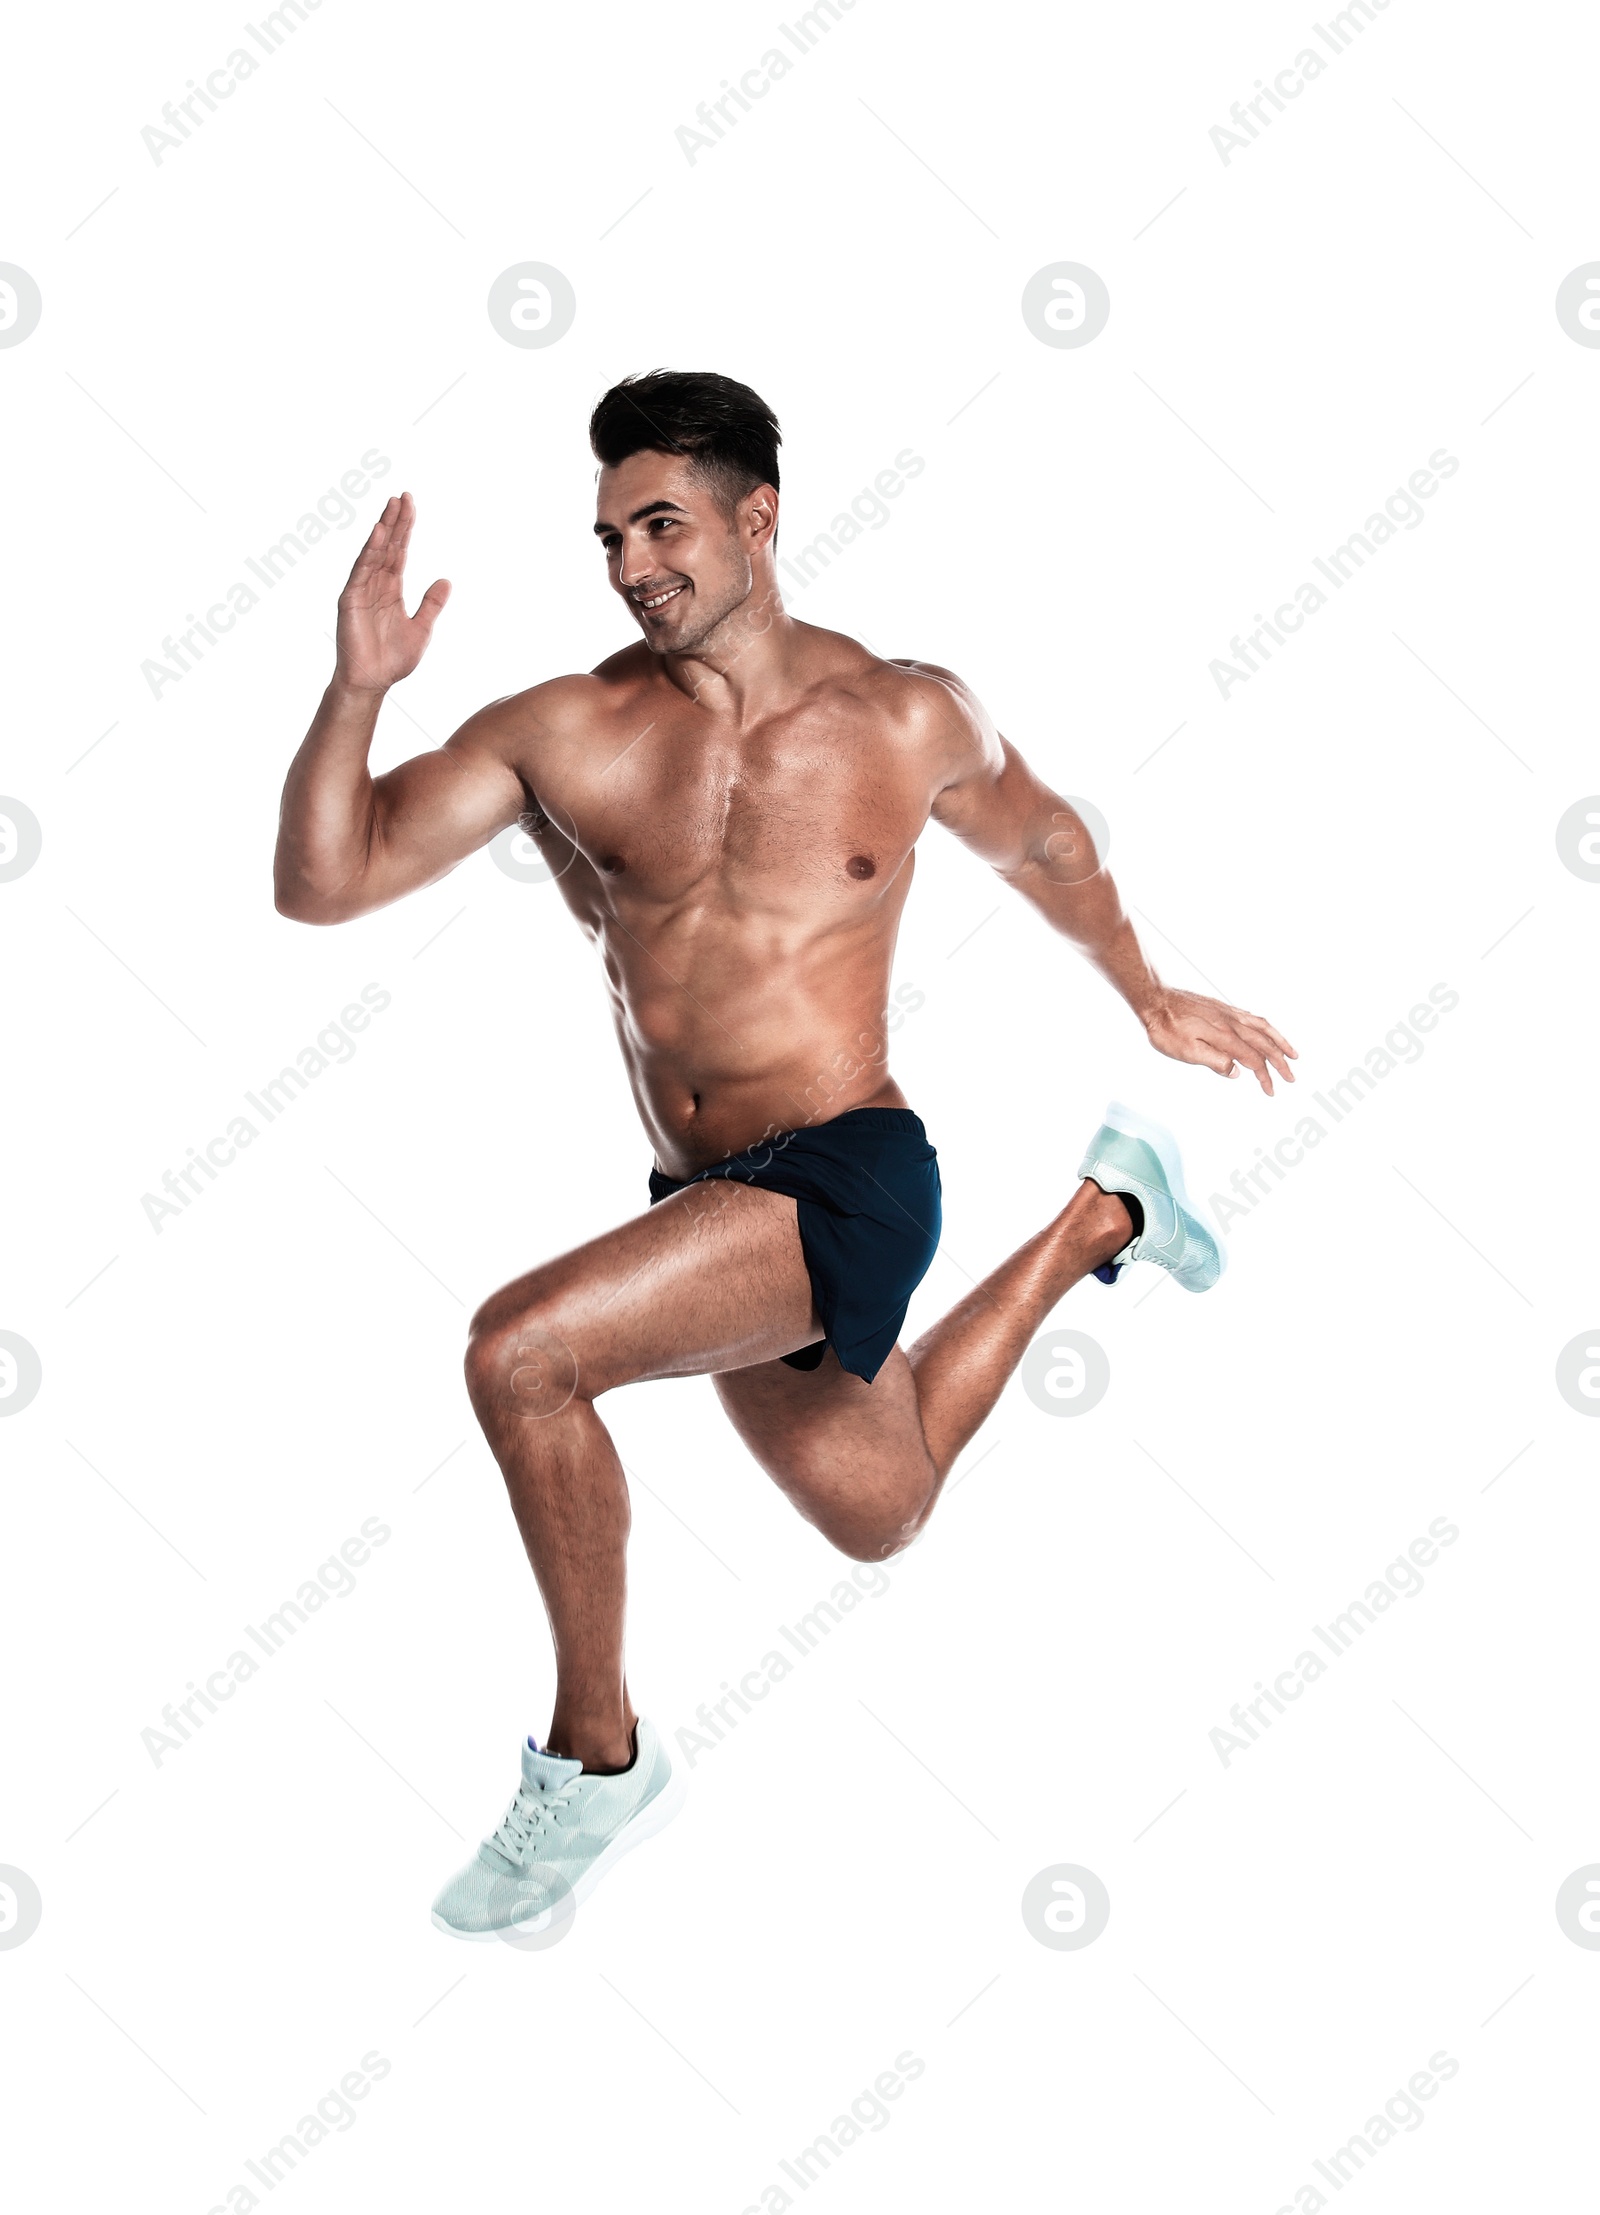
column 661, row 598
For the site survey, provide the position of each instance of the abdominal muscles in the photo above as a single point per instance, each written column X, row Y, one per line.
column 750, row 1036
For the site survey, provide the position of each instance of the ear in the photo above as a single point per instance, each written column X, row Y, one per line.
column 760, row 514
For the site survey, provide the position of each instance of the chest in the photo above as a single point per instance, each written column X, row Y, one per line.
column 814, row 803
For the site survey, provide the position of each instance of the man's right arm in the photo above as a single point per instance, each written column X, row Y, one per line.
column 349, row 842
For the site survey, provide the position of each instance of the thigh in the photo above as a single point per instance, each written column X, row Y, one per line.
column 712, row 1278
column 850, row 1456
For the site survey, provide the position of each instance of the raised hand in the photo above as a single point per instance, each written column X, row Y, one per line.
column 378, row 642
column 1190, row 1027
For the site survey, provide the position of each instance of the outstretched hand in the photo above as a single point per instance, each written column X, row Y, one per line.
column 1190, row 1027
column 378, row 642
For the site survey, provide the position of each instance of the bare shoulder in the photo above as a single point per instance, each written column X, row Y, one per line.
column 916, row 703
column 943, row 718
column 937, row 691
column 521, row 729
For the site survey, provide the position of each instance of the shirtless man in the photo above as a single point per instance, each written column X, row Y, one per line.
column 731, row 806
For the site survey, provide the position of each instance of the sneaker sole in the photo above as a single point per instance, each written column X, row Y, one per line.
column 1165, row 1147
column 654, row 1816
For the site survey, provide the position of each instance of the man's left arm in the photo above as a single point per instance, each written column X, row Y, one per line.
column 995, row 804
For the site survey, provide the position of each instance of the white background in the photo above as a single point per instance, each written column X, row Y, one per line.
column 1292, row 1936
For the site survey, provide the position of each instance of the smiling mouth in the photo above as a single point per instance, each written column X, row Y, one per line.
column 659, row 599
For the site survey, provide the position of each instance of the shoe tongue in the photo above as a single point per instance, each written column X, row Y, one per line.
column 544, row 1770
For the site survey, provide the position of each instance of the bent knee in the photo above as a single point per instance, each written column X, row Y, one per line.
column 520, row 1364
column 876, row 1530
column 874, row 1545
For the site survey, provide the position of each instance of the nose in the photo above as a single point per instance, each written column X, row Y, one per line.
column 635, row 566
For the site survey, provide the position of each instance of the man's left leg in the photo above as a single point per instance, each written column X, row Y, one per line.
column 866, row 1462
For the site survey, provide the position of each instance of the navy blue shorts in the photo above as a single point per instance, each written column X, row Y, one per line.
column 867, row 1184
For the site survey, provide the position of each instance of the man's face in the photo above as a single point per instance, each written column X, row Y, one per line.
column 678, row 561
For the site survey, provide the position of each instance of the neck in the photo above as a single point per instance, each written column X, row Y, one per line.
column 745, row 660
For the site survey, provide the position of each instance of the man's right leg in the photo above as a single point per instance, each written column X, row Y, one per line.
column 713, row 1278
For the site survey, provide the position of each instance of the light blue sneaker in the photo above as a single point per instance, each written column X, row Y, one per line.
column 1129, row 1153
column 561, row 1834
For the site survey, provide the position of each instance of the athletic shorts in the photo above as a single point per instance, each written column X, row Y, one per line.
column 867, row 1185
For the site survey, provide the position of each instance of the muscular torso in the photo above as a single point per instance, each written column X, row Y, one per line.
column 743, row 883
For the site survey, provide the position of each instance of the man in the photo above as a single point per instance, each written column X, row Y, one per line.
column 731, row 805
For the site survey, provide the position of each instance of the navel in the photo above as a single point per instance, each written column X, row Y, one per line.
column 861, row 865
column 611, row 864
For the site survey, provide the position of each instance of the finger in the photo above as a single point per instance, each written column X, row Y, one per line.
column 1265, row 1039
column 1248, row 1055
column 429, row 606
column 391, row 542
column 1272, row 1032
column 1213, row 1054
column 400, row 537
column 1255, row 1062
column 370, row 554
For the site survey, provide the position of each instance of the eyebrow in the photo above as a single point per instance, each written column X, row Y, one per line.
column 651, row 507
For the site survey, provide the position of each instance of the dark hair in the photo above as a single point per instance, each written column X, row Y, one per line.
column 727, row 431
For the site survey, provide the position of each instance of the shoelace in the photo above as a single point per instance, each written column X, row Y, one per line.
column 525, row 1819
